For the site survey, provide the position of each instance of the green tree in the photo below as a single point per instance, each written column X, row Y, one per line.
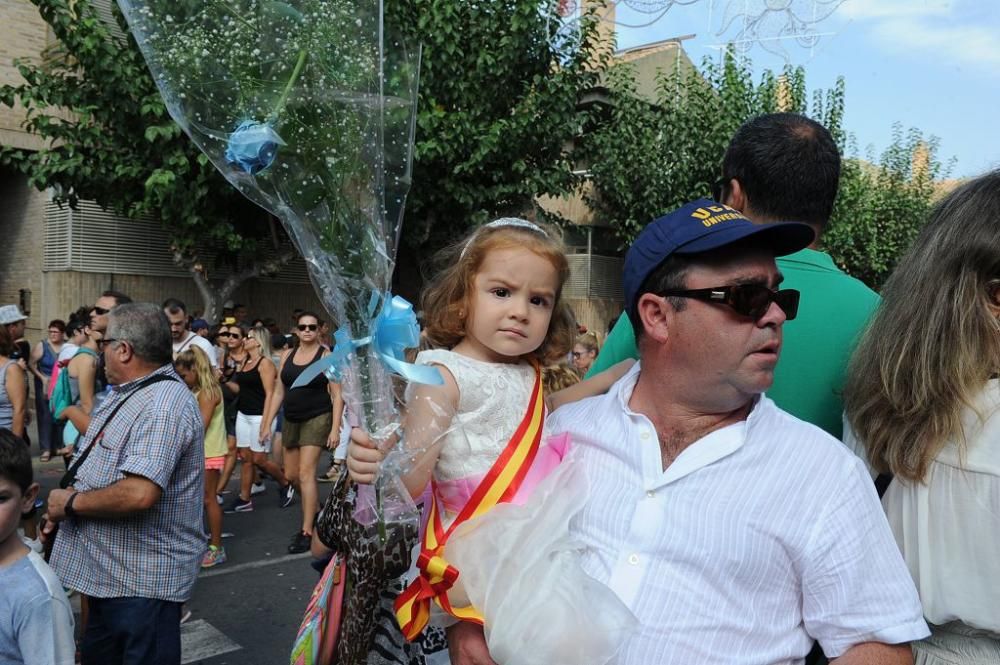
column 110, row 140
column 498, row 106
column 645, row 157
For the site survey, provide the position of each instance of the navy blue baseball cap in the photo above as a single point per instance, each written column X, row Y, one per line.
column 697, row 227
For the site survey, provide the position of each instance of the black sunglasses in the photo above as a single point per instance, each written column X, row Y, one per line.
column 312, row 327
column 100, row 311
column 751, row 300
column 223, row 334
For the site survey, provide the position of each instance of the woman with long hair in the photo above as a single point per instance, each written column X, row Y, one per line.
column 922, row 403
column 584, row 353
column 195, row 368
column 254, row 383
column 312, row 421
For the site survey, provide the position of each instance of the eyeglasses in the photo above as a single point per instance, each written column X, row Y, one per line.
column 55, row 332
column 751, row 300
column 311, row 327
column 576, row 355
column 107, row 340
column 223, row 334
column 100, row 311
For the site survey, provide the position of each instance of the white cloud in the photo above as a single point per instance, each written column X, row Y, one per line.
column 965, row 45
column 934, row 29
column 890, row 9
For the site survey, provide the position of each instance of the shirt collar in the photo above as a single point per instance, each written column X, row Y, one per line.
column 705, row 451
column 126, row 387
column 811, row 257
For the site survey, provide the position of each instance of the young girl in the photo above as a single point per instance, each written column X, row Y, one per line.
column 194, row 367
column 231, row 335
column 497, row 315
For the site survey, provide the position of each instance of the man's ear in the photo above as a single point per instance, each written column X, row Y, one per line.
column 28, row 498
column 736, row 196
column 654, row 314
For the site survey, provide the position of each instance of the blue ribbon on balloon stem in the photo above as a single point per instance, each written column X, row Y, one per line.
column 394, row 330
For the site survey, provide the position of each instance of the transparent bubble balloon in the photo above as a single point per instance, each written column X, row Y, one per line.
column 308, row 109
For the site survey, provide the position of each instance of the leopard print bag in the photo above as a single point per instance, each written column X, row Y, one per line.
column 374, row 570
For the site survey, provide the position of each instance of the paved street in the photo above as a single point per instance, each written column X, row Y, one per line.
column 247, row 610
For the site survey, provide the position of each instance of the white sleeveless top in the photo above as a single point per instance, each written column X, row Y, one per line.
column 492, row 401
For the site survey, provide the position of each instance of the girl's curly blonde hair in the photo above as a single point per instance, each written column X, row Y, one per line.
column 447, row 301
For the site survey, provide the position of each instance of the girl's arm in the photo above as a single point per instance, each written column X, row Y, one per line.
column 207, row 404
column 278, row 396
column 267, row 374
column 595, row 385
column 16, row 393
column 429, row 414
column 337, row 400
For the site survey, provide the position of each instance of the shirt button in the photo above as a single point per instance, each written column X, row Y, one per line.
column 645, row 434
column 650, row 494
column 633, row 559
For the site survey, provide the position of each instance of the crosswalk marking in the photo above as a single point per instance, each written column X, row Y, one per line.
column 201, row 640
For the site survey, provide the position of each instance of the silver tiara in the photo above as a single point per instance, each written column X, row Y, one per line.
column 516, row 222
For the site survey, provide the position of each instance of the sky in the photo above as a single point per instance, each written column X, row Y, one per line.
column 929, row 64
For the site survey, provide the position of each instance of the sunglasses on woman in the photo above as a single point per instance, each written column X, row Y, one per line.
column 752, row 300
column 223, row 334
column 311, row 327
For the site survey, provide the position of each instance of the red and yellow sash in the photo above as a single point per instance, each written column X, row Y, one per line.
column 413, row 606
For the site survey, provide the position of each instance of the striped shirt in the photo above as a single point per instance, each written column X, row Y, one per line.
column 759, row 538
column 155, row 553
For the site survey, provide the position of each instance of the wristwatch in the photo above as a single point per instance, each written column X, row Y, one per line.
column 68, row 508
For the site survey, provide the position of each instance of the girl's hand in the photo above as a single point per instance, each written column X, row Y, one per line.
column 333, row 440
column 363, row 457
column 265, row 434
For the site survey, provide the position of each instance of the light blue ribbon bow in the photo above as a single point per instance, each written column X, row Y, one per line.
column 393, row 331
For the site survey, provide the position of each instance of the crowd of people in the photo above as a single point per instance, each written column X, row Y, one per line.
column 696, row 499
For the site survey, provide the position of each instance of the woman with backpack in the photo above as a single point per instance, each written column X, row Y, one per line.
column 77, row 385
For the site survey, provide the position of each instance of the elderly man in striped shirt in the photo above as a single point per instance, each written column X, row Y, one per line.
column 735, row 532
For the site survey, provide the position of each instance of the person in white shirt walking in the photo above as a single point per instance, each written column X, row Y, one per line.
column 184, row 339
column 735, row 532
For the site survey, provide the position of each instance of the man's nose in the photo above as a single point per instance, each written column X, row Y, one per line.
column 774, row 316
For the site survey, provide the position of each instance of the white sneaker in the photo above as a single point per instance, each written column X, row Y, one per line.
column 257, row 488
column 218, row 497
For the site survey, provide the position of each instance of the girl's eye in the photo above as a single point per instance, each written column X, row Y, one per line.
column 540, row 301
column 500, row 292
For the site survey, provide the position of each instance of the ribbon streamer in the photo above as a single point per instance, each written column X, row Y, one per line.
column 393, row 331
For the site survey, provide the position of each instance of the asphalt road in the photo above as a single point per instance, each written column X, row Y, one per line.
column 247, row 610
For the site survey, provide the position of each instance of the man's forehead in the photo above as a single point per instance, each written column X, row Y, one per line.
column 105, row 302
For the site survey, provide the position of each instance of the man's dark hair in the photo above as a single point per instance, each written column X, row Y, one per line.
column 78, row 320
column 120, row 298
column 15, row 460
column 146, row 328
column 174, row 306
column 788, row 166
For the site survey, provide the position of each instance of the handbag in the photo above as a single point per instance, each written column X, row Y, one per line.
column 369, row 566
column 320, row 628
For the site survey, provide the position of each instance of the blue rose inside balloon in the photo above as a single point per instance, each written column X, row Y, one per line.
column 308, row 108
column 252, row 146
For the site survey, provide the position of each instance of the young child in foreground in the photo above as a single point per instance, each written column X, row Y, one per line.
column 496, row 316
column 36, row 622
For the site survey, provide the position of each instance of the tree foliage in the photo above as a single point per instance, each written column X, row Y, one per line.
column 646, row 157
column 498, row 105
column 109, row 139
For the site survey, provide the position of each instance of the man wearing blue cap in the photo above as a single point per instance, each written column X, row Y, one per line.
column 786, row 167
column 735, row 532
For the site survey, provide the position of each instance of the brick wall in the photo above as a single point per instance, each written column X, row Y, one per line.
column 22, row 228
column 23, row 34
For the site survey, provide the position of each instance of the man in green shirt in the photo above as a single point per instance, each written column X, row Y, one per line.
column 785, row 167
